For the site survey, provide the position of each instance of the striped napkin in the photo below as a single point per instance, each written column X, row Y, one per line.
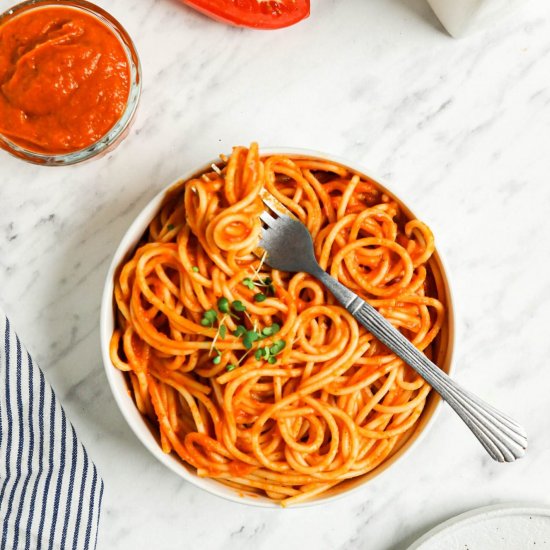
column 50, row 491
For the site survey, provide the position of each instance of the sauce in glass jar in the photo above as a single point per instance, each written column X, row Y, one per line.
column 65, row 77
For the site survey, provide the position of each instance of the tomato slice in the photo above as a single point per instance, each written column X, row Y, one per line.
column 256, row 14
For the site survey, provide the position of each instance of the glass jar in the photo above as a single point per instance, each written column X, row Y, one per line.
column 120, row 129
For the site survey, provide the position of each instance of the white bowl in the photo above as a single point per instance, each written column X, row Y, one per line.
column 144, row 431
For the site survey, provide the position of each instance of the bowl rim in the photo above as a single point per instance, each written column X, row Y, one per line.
column 118, row 131
column 125, row 402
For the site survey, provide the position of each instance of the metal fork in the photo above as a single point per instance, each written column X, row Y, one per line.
column 289, row 247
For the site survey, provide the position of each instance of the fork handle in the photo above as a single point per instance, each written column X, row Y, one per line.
column 503, row 438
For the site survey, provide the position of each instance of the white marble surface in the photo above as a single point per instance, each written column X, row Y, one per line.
column 459, row 127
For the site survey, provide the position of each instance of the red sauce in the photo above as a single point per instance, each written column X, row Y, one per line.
column 240, row 469
column 64, row 80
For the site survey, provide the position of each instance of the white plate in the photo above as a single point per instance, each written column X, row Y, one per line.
column 491, row 528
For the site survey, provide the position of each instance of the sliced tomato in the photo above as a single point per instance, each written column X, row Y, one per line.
column 257, row 14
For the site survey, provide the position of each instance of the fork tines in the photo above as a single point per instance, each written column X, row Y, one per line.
column 275, row 205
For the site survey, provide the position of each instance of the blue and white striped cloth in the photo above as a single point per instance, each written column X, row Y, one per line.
column 50, row 491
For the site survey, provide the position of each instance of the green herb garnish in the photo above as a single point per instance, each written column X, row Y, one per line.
column 171, row 226
column 237, row 305
column 223, row 305
column 249, row 338
column 248, row 283
column 195, row 269
column 271, row 330
column 271, row 360
column 217, row 360
column 277, row 346
column 260, row 297
column 222, row 331
column 229, row 368
column 239, row 331
column 209, row 318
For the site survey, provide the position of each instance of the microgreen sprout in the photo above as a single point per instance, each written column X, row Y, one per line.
column 269, row 352
column 223, row 305
column 209, row 317
column 248, row 283
column 277, row 347
column 249, row 338
column 239, row 331
column 237, row 305
column 271, row 330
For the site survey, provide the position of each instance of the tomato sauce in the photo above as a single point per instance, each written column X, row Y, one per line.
column 64, row 80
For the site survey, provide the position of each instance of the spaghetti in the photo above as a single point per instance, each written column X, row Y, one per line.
column 257, row 377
